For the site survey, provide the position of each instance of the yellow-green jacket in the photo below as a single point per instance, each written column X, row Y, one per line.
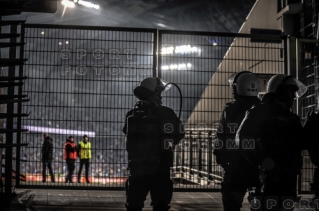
column 85, row 151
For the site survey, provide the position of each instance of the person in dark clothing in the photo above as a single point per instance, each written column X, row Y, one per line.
column 239, row 175
column 47, row 155
column 85, row 154
column 310, row 130
column 151, row 131
column 69, row 156
column 277, row 135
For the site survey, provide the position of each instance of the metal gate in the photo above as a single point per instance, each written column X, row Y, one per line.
column 308, row 73
column 81, row 80
column 201, row 63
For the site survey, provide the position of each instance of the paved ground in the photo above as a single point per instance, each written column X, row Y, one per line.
column 65, row 200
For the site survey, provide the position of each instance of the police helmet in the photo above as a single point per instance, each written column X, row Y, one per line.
column 150, row 87
column 281, row 82
column 245, row 83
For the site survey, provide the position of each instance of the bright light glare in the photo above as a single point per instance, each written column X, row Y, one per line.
column 75, row 1
column 168, row 50
column 67, row 42
column 215, row 43
column 165, row 67
column 161, row 25
column 58, row 131
column 186, row 49
column 42, row 32
column 68, row 3
column 60, row 43
column 183, row 49
column 88, row 4
column 182, row 66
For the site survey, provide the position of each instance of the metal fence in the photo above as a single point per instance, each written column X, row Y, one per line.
column 81, row 81
column 201, row 63
column 308, row 64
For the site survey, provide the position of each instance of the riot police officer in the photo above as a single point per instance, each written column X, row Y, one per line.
column 151, row 131
column 311, row 134
column 239, row 175
column 277, row 134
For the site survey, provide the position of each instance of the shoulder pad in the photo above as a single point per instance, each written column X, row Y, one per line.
column 258, row 104
column 166, row 111
column 165, row 107
column 230, row 103
column 253, row 107
column 129, row 113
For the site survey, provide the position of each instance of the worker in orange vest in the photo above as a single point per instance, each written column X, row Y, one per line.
column 69, row 156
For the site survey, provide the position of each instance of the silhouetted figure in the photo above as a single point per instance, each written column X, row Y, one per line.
column 277, row 134
column 70, row 157
column 47, row 155
column 152, row 130
column 85, row 154
column 311, row 132
column 239, row 175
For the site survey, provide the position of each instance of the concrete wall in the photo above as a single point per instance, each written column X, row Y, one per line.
column 253, row 57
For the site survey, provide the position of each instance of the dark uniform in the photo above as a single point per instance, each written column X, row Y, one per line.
column 239, row 175
column 310, row 130
column 277, row 135
column 47, row 155
column 150, row 158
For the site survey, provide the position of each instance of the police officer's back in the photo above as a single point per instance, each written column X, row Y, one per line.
column 150, row 148
column 238, row 174
column 276, row 131
column 312, row 145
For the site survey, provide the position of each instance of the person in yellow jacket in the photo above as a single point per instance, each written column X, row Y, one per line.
column 85, row 155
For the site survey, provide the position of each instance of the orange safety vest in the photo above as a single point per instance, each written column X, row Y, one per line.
column 72, row 155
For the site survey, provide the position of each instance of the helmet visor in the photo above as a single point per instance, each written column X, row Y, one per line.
column 301, row 87
column 231, row 79
column 164, row 84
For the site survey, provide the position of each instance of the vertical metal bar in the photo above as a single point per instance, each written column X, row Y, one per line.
column 316, row 69
column 27, row 69
column 298, row 66
column 285, row 56
column 191, row 151
column 200, row 154
column 1, row 123
column 9, row 123
column 298, row 62
column 159, row 36
column 210, row 154
column 18, row 152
